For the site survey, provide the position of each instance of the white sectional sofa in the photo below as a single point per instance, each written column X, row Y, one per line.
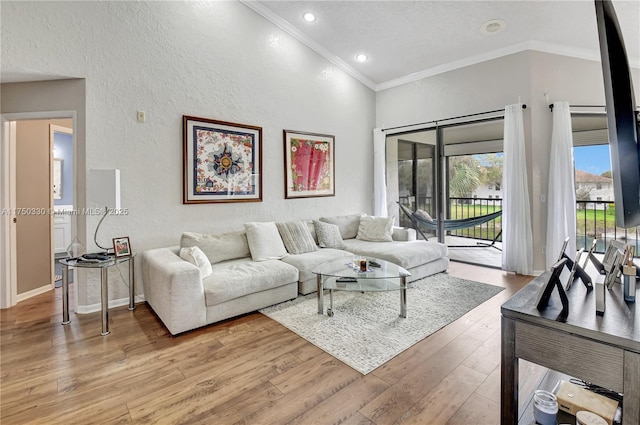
column 209, row 278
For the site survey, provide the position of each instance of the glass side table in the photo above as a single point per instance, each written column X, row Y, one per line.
column 104, row 284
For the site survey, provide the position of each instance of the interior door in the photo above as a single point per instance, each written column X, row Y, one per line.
column 33, row 201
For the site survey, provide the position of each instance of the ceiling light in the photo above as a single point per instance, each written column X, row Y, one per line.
column 493, row 26
column 361, row 57
column 309, row 17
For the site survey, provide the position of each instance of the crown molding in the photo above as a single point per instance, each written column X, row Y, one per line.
column 307, row 41
column 540, row 46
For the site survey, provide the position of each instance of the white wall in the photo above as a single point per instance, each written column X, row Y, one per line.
column 218, row 60
column 492, row 85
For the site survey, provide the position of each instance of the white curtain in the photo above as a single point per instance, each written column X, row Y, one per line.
column 517, row 245
column 379, row 173
column 561, row 195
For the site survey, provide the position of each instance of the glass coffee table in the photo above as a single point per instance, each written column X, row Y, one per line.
column 340, row 274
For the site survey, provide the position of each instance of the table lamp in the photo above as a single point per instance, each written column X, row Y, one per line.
column 104, row 190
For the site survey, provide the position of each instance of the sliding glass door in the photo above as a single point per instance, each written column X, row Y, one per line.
column 454, row 173
column 416, row 177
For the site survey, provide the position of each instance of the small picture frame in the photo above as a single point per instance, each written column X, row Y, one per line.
column 554, row 281
column 121, row 247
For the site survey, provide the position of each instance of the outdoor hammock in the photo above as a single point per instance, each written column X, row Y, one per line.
column 453, row 224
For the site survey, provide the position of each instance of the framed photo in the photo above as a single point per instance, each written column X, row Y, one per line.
column 309, row 161
column 222, row 161
column 554, row 282
column 121, row 247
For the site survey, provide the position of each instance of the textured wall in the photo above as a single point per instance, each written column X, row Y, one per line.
column 218, row 60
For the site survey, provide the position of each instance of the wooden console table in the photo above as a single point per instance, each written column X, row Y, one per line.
column 603, row 350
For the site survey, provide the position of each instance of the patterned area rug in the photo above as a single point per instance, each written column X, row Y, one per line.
column 366, row 330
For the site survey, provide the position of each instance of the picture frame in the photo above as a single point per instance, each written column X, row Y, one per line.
column 222, row 161
column 122, row 247
column 309, row 161
column 554, row 282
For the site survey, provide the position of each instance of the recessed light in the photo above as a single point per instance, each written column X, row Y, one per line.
column 361, row 57
column 309, row 17
column 493, row 26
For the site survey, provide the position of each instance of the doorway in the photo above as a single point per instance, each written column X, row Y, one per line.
column 28, row 194
column 61, row 139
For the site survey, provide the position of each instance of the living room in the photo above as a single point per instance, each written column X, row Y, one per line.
column 223, row 61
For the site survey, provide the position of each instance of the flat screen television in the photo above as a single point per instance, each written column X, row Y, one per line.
column 622, row 118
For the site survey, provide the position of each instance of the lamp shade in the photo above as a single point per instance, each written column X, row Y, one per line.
column 104, row 188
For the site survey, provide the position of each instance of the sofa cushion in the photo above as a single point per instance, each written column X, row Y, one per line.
column 405, row 254
column 195, row 256
column 264, row 240
column 375, row 229
column 306, row 262
column 218, row 247
column 237, row 278
column 328, row 235
column 296, row 237
column 348, row 224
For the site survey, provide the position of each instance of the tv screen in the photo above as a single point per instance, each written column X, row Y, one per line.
column 622, row 117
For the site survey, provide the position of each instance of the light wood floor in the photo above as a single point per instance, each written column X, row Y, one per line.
column 248, row 370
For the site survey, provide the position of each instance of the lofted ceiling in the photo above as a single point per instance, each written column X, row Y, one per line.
column 408, row 40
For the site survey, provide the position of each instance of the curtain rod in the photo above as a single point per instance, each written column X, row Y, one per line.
column 581, row 106
column 448, row 119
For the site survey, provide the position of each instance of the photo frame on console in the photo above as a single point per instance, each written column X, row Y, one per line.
column 554, row 281
column 121, row 247
column 222, row 161
column 575, row 269
column 309, row 164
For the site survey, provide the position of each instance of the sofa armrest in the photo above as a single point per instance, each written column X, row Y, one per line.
column 403, row 234
column 173, row 288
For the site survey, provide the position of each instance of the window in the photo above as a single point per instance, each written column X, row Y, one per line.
column 497, row 186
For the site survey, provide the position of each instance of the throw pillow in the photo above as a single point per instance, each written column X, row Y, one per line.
column 219, row 247
column 195, row 256
column 264, row 240
column 424, row 215
column 348, row 224
column 375, row 229
column 296, row 237
column 328, row 235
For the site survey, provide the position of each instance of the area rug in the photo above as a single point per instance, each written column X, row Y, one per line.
column 366, row 330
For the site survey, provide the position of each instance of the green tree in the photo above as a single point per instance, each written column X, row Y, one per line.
column 464, row 176
column 606, row 174
column 583, row 193
column 491, row 169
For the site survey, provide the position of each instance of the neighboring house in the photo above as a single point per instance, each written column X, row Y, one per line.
column 488, row 191
column 592, row 187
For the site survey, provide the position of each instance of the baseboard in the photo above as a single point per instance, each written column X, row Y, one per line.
column 93, row 308
column 34, row 292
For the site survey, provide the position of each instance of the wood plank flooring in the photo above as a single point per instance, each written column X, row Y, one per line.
column 247, row 370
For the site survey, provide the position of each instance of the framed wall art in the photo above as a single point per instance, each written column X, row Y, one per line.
column 309, row 161
column 222, row 161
